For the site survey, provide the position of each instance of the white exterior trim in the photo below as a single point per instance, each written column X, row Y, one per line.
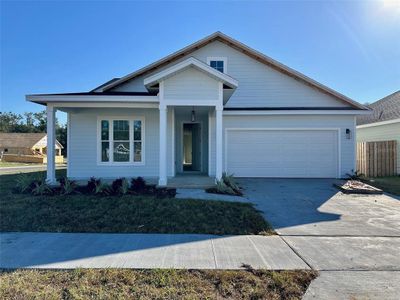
column 219, row 134
column 190, row 62
column 51, row 137
column 176, row 102
column 224, row 59
column 339, row 167
column 61, row 105
column 131, row 119
column 173, row 141
column 294, row 112
column 379, row 123
column 68, row 143
column 209, row 142
column 90, row 98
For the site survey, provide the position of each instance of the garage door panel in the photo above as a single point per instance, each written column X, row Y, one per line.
column 282, row 153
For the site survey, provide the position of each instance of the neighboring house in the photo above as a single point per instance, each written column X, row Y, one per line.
column 238, row 110
column 383, row 124
column 26, row 147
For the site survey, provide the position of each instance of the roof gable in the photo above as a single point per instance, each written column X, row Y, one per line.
column 187, row 63
column 218, row 36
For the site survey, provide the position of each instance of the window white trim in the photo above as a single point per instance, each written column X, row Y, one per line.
column 131, row 120
column 217, row 58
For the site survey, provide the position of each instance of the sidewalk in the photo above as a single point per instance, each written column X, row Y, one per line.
column 186, row 251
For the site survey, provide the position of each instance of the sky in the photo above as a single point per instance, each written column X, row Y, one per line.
column 74, row 46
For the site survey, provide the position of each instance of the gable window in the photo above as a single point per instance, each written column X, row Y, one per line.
column 120, row 141
column 218, row 63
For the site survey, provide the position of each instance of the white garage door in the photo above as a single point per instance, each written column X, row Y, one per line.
column 282, row 153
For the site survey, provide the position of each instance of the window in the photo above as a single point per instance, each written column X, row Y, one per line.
column 121, row 141
column 218, row 63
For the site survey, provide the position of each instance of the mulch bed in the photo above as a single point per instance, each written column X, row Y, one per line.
column 357, row 187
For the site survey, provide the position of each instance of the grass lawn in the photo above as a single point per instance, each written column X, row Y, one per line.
column 388, row 184
column 154, row 284
column 144, row 214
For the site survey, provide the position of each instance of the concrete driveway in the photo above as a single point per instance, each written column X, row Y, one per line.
column 353, row 240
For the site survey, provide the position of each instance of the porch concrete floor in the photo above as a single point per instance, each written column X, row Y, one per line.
column 191, row 181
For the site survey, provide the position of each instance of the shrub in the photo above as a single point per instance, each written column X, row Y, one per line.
column 68, row 186
column 97, row 187
column 120, row 186
column 222, row 188
column 226, row 185
column 354, row 175
column 41, row 188
column 25, row 183
column 138, row 184
column 230, row 181
column 91, row 185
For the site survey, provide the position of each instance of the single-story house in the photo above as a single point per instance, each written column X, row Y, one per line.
column 27, row 147
column 383, row 124
column 245, row 113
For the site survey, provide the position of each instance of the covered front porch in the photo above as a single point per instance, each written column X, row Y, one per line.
column 172, row 131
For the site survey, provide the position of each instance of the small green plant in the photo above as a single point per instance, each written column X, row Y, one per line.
column 354, row 175
column 120, row 186
column 97, row 187
column 138, row 184
column 124, row 189
column 68, row 187
column 230, row 181
column 227, row 185
column 23, row 183
column 41, row 188
column 222, row 188
column 26, row 182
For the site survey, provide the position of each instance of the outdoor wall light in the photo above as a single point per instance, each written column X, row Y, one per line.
column 348, row 133
column 193, row 115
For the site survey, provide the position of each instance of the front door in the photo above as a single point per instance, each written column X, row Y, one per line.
column 191, row 147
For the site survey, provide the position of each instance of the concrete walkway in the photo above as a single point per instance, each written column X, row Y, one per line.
column 188, row 251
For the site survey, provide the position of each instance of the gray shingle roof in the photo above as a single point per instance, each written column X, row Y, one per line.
column 386, row 109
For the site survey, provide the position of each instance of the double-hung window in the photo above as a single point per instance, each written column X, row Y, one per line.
column 121, row 141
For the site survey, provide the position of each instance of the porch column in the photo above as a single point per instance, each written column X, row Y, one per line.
column 218, row 148
column 162, row 180
column 51, row 141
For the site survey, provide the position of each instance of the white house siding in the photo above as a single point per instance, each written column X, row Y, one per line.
column 347, row 146
column 386, row 132
column 192, row 86
column 259, row 84
column 83, row 145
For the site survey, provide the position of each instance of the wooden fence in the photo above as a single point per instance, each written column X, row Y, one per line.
column 376, row 159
